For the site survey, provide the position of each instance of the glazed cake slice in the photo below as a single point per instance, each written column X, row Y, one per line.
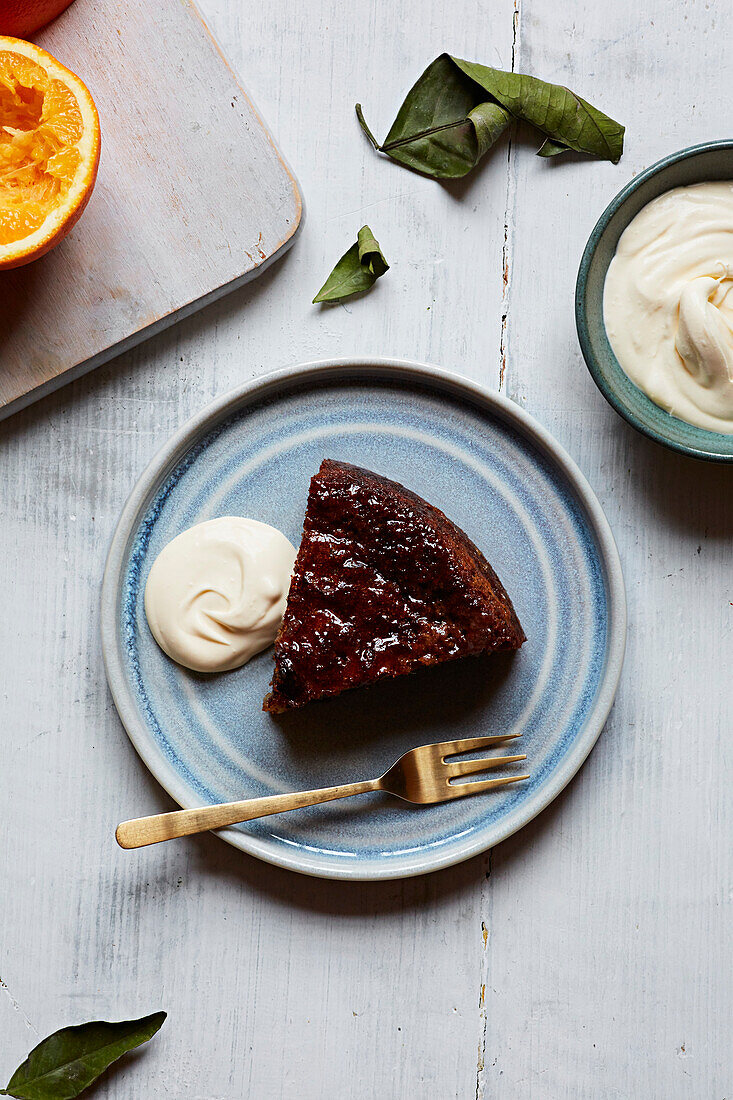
column 384, row 583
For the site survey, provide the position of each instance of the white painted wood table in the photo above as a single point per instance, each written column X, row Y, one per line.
column 588, row 956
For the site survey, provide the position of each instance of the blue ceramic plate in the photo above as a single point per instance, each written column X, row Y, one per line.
column 500, row 477
column 711, row 161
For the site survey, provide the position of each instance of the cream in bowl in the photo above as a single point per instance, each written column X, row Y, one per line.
column 668, row 303
column 216, row 594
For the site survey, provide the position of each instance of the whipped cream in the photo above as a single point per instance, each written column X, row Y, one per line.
column 668, row 303
column 216, row 594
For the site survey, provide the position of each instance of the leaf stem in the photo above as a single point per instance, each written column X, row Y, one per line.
column 410, row 137
column 422, row 134
column 365, row 128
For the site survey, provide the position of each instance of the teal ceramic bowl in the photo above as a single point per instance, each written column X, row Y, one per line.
column 711, row 161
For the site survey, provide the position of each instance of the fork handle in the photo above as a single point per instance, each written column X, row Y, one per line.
column 151, row 830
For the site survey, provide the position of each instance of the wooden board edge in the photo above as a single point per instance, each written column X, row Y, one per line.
column 71, row 374
column 266, row 130
column 135, row 338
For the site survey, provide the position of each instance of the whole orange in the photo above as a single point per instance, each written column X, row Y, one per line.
column 22, row 18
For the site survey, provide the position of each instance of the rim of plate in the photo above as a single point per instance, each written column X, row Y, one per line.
column 396, row 370
column 692, row 450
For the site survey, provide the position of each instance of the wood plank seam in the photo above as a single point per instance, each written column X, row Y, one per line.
column 509, row 207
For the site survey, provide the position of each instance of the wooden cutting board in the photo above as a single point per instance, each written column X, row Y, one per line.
column 192, row 197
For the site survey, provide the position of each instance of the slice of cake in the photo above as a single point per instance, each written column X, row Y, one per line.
column 383, row 584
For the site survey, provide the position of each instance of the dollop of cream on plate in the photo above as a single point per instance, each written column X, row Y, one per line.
column 216, row 594
column 668, row 303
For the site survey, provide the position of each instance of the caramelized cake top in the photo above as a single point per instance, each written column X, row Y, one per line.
column 383, row 583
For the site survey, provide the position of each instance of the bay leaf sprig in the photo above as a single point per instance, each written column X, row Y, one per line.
column 66, row 1063
column 357, row 270
column 457, row 110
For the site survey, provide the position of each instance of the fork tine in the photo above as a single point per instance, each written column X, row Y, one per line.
column 458, row 790
column 468, row 767
column 471, row 744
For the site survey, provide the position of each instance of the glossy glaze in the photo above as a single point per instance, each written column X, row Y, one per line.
column 384, row 583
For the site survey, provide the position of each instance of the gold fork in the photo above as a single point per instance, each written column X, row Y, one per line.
column 422, row 775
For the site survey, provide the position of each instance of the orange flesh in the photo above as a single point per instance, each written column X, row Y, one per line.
column 40, row 127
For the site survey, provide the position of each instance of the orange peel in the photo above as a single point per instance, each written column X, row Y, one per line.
column 49, row 150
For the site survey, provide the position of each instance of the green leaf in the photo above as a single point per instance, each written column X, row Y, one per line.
column 455, row 112
column 434, row 131
column 550, row 148
column 357, row 270
column 70, row 1060
column 489, row 120
column 567, row 119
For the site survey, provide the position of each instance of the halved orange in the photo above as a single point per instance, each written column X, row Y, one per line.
column 49, row 150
